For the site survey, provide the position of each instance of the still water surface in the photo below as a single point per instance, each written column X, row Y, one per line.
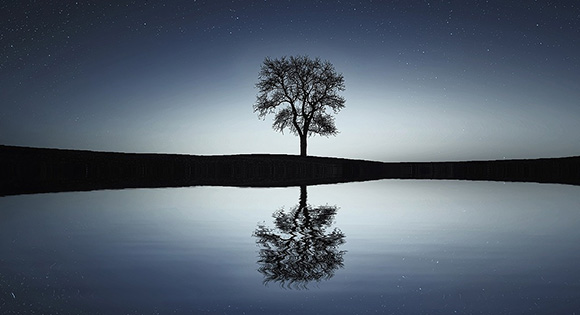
column 376, row 247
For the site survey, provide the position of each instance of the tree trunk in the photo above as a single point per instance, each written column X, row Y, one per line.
column 303, row 196
column 303, row 145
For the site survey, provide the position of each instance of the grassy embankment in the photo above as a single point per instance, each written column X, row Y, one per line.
column 35, row 170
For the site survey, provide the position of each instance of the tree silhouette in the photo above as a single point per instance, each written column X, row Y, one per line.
column 299, row 91
column 299, row 250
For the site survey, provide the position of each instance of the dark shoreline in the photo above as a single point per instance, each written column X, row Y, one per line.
column 25, row 170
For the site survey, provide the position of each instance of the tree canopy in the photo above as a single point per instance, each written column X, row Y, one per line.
column 302, row 93
column 300, row 249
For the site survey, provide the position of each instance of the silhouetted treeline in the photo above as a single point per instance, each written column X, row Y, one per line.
column 33, row 170
column 36, row 170
column 554, row 170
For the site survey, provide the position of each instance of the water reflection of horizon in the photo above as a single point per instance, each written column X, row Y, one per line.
column 299, row 250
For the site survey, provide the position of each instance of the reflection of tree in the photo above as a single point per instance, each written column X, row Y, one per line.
column 299, row 250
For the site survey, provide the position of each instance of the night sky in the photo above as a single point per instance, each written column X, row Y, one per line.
column 425, row 80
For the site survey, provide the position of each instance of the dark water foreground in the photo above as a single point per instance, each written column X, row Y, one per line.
column 34, row 170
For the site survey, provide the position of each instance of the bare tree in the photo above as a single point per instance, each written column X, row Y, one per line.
column 300, row 91
column 300, row 249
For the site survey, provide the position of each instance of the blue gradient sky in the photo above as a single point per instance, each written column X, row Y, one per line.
column 426, row 80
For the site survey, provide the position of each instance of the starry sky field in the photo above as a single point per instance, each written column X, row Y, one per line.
column 425, row 80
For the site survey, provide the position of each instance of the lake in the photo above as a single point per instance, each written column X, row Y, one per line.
column 388, row 246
